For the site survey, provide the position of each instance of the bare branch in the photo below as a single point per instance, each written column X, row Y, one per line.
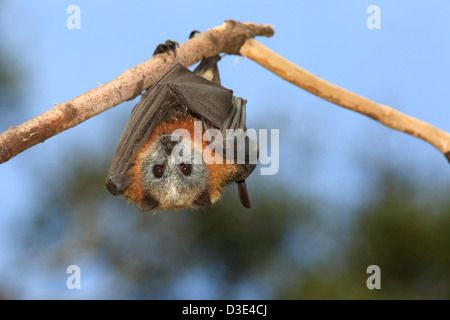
column 330, row 92
column 227, row 38
column 232, row 38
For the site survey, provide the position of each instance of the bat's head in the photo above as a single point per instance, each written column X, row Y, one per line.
column 171, row 180
column 170, row 171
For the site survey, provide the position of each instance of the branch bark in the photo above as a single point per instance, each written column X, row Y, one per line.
column 232, row 38
column 386, row 115
column 227, row 38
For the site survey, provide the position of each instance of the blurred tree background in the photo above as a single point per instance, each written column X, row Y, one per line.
column 280, row 249
column 288, row 246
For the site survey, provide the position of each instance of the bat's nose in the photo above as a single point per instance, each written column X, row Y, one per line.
column 168, row 143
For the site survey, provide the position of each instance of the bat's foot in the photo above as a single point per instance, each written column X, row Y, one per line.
column 167, row 46
column 171, row 45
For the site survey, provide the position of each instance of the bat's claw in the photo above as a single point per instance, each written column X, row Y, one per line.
column 193, row 33
column 167, row 46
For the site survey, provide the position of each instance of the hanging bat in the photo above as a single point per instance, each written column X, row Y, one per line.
column 144, row 169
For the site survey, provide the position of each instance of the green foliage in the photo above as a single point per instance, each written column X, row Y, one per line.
column 406, row 237
column 11, row 78
column 149, row 251
column 153, row 254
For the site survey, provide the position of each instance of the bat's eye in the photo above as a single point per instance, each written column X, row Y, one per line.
column 158, row 171
column 185, row 169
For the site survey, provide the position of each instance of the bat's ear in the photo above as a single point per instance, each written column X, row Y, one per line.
column 244, row 170
column 116, row 185
column 203, row 199
column 149, row 202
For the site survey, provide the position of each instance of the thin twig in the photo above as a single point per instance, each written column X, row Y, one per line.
column 344, row 98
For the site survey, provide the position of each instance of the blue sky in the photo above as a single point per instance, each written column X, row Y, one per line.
column 404, row 65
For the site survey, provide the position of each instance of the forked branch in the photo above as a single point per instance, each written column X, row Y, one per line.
column 232, row 38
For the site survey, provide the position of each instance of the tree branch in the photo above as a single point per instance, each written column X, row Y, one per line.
column 232, row 38
column 332, row 93
column 227, row 38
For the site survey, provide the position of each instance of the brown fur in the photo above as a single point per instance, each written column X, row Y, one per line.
column 219, row 175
